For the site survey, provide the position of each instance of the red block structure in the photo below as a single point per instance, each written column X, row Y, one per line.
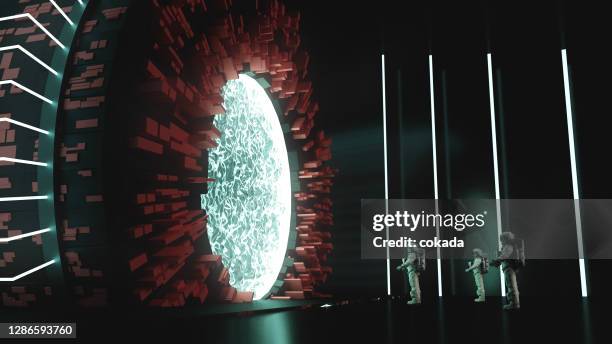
column 132, row 158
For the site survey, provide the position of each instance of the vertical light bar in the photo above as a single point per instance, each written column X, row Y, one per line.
column 495, row 161
column 384, row 109
column 575, row 189
column 435, row 167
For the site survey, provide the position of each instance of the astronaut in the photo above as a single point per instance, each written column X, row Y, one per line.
column 478, row 267
column 510, row 262
column 413, row 270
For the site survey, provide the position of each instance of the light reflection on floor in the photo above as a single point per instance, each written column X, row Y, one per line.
column 456, row 321
column 543, row 320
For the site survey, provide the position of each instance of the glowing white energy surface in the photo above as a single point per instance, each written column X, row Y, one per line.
column 249, row 203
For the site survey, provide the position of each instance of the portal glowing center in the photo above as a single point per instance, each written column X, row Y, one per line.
column 249, row 203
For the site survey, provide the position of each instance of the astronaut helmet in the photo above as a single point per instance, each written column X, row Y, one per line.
column 507, row 238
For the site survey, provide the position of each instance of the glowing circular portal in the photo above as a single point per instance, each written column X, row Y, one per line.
column 249, row 204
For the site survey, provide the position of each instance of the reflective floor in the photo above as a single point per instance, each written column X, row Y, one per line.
column 451, row 321
column 546, row 320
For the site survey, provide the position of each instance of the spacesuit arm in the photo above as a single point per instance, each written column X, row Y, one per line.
column 474, row 265
column 403, row 265
column 506, row 252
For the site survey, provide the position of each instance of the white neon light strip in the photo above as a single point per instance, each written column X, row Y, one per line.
column 21, row 161
column 27, row 15
column 25, row 51
column 575, row 189
column 61, row 11
column 22, row 198
column 384, row 109
column 23, row 274
column 25, row 235
column 495, row 162
column 16, row 84
column 80, row 2
column 21, row 124
column 435, row 166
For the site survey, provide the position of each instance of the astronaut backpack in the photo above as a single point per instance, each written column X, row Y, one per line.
column 484, row 265
column 420, row 261
column 519, row 249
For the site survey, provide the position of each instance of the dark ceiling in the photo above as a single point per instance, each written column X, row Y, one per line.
column 525, row 39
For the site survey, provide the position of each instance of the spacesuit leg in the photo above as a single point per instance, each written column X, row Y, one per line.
column 415, row 289
column 511, row 288
column 480, row 290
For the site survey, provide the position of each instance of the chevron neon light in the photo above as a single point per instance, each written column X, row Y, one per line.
column 25, row 235
column 23, row 274
column 37, row 23
column 24, row 125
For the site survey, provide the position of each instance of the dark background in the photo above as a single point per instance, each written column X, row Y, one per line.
column 346, row 40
